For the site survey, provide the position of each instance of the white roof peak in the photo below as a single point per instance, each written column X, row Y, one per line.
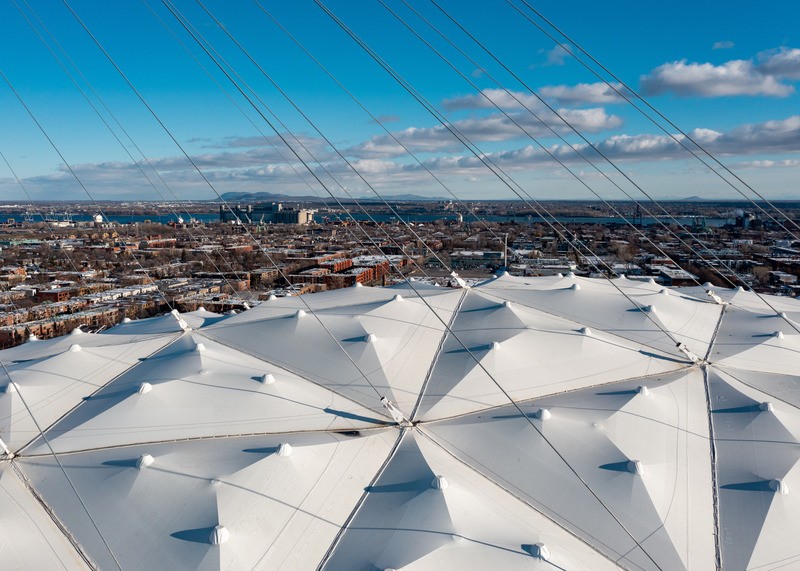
column 766, row 407
column 543, row 414
column 635, row 467
column 779, row 487
column 219, row 535
column 299, row 314
column 285, row 450
column 8, row 453
column 540, row 551
column 643, row 390
column 461, row 282
column 267, row 378
column 144, row 388
column 74, row 348
column 144, row 461
column 575, row 287
column 439, row 483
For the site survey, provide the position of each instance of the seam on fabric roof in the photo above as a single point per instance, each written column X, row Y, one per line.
column 485, row 159
column 727, row 370
column 199, row 171
column 760, row 441
column 429, row 373
column 715, row 334
column 100, row 388
column 605, row 332
column 712, row 441
column 342, row 530
column 557, row 317
column 64, row 471
column 224, row 325
column 302, row 376
column 213, row 437
column 524, row 501
column 50, row 512
column 299, row 509
column 29, row 517
column 532, row 400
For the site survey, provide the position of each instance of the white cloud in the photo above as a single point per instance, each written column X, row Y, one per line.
column 494, row 127
column 557, row 55
column 724, row 45
column 782, row 136
column 768, row 164
column 489, row 98
column 579, row 94
column 583, row 93
column 768, row 74
column 782, row 63
column 735, row 77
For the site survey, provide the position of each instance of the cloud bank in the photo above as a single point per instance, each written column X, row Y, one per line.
column 767, row 74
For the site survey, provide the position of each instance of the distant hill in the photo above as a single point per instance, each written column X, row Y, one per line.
column 265, row 197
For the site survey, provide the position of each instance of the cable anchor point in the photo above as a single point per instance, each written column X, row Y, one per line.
column 397, row 416
column 459, row 281
column 689, row 355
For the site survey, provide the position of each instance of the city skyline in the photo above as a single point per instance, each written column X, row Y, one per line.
column 726, row 78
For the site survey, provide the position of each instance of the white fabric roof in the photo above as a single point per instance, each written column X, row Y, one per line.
column 259, row 440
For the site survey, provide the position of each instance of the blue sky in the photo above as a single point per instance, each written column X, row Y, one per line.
column 725, row 73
